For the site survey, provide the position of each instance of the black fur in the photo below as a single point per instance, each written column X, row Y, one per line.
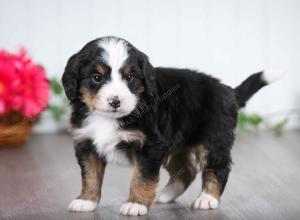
column 250, row 86
column 180, row 108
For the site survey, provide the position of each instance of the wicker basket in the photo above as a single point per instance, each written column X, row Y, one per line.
column 15, row 129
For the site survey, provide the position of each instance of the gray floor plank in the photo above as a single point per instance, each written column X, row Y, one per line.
column 39, row 180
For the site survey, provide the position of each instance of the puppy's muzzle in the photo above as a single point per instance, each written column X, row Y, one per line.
column 114, row 102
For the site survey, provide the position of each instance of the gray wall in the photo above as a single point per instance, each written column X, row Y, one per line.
column 229, row 39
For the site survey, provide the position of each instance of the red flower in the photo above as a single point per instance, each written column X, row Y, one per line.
column 8, row 83
column 23, row 85
column 34, row 90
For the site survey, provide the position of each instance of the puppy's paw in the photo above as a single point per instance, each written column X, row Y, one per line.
column 205, row 201
column 162, row 198
column 170, row 192
column 133, row 209
column 81, row 205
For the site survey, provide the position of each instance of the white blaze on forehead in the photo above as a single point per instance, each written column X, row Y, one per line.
column 115, row 53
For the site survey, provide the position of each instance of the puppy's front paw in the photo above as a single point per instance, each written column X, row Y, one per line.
column 81, row 205
column 205, row 201
column 133, row 209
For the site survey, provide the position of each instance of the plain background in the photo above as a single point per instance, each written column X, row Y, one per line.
column 228, row 39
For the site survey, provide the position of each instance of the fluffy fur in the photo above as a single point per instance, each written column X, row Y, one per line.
column 80, row 205
column 171, row 192
column 205, row 201
column 127, row 112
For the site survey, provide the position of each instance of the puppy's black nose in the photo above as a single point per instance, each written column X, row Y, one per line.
column 114, row 102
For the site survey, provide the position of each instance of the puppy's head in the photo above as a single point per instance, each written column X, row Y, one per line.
column 110, row 75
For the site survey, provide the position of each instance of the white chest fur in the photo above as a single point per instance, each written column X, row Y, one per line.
column 106, row 134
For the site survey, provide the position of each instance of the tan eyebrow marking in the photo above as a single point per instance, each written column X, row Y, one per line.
column 100, row 69
column 126, row 69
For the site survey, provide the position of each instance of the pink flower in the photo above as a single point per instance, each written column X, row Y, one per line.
column 8, row 83
column 23, row 85
column 34, row 90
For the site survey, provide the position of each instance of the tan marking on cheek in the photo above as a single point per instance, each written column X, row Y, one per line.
column 90, row 99
column 211, row 184
column 139, row 90
column 142, row 190
column 92, row 178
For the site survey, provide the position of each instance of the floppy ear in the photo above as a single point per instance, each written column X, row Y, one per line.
column 70, row 77
column 149, row 74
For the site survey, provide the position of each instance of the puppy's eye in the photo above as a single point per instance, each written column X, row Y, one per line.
column 129, row 78
column 96, row 78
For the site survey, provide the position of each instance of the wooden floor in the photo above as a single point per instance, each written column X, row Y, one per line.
column 39, row 180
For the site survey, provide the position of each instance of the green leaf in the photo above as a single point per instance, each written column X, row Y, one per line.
column 279, row 126
column 56, row 86
column 255, row 120
column 242, row 120
column 56, row 111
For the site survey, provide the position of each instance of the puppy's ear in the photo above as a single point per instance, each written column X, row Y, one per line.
column 149, row 74
column 70, row 77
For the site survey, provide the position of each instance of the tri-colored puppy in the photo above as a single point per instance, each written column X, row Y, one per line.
column 125, row 111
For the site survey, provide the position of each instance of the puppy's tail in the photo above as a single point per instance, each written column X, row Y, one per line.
column 254, row 83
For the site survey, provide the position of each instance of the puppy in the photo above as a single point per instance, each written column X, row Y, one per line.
column 125, row 111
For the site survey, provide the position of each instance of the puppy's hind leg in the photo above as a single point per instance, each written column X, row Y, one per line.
column 182, row 169
column 216, row 170
column 213, row 183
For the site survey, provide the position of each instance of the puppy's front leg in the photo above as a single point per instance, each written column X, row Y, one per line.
column 92, row 172
column 144, row 181
column 142, row 194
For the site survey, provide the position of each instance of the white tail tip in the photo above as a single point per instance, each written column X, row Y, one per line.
column 270, row 76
